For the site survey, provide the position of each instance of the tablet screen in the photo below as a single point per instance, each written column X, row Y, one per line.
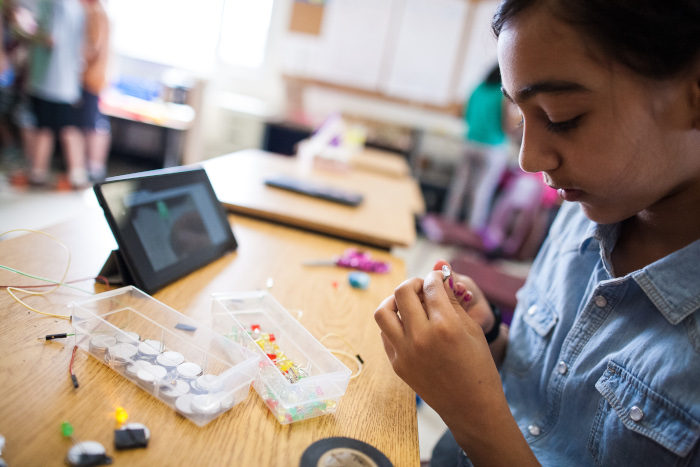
column 166, row 223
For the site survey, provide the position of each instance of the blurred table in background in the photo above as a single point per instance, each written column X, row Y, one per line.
column 385, row 218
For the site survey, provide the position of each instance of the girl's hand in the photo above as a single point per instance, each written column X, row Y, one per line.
column 469, row 297
column 439, row 349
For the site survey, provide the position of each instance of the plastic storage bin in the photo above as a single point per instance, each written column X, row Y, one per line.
column 299, row 378
column 189, row 367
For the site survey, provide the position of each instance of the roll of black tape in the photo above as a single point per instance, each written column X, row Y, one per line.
column 343, row 452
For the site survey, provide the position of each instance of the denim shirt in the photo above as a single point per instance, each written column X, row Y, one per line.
column 605, row 370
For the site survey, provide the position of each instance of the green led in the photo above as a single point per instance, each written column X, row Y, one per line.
column 67, row 429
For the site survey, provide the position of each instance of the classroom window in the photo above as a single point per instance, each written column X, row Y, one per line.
column 192, row 35
column 244, row 30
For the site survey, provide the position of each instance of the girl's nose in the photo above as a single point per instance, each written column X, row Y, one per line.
column 537, row 154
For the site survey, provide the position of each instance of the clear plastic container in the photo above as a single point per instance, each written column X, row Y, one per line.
column 188, row 366
column 299, row 378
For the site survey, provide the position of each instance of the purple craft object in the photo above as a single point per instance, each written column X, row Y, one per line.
column 355, row 259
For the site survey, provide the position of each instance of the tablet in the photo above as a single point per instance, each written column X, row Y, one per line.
column 166, row 222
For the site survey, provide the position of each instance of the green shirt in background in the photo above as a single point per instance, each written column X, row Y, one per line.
column 484, row 115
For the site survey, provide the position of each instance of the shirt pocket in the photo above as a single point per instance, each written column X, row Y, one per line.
column 635, row 425
column 531, row 330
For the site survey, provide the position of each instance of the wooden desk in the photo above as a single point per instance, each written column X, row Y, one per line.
column 384, row 219
column 381, row 162
column 36, row 394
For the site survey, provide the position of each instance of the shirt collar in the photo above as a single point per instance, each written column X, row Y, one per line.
column 671, row 283
column 590, row 233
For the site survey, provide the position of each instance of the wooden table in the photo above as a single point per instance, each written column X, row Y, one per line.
column 381, row 162
column 386, row 217
column 36, row 393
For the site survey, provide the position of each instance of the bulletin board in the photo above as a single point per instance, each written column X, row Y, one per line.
column 407, row 51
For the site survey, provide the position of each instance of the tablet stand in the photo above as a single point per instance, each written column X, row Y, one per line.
column 115, row 270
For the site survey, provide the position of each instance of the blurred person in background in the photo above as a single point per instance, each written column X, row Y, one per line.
column 94, row 124
column 10, row 73
column 55, row 75
column 486, row 155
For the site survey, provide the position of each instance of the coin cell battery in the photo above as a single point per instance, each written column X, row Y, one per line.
column 149, row 349
column 171, row 391
column 209, row 383
column 184, row 404
column 206, row 404
column 100, row 344
column 170, row 360
column 120, row 354
column 133, row 368
column 150, row 375
column 188, row 370
column 128, row 337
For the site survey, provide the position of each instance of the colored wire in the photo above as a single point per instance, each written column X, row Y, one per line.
column 51, row 282
column 11, row 290
column 74, row 281
column 353, row 356
column 70, row 368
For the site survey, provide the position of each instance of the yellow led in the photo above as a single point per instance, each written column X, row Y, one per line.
column 121, row 415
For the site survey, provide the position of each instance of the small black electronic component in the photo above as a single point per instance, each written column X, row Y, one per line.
column 130, row 438
column 56, row 336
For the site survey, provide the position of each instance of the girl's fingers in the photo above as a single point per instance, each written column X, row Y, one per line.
column 409, row 297
column 389, row 322
column 438, row 296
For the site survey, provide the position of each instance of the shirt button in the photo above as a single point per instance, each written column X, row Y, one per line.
column 562, row 368
column 600, row 301
column 534, row 430
column 532, row 310
column 636, row 414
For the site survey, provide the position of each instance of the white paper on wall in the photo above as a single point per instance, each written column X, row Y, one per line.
column 352, row 42
column 422, row 66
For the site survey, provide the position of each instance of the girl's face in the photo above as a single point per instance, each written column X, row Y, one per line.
column 618, row 143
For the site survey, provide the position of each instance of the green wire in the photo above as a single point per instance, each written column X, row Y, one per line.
column 51, row 281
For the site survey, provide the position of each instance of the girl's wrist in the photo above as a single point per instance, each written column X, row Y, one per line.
column 493, row 332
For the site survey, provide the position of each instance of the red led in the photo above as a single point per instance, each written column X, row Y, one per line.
column 272, row 337
column 255, row 327
column 272, row 356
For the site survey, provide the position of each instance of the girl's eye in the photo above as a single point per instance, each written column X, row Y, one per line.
column 521, row 122
column 563, row 127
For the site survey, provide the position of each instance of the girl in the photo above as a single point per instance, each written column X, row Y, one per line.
column 602, row 360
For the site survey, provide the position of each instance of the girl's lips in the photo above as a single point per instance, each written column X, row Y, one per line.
column 570, row 194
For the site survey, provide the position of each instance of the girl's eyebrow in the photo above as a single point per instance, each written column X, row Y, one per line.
column 531, row 90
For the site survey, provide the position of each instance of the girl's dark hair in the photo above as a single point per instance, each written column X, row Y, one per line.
column 494, row 75
column 655, row 38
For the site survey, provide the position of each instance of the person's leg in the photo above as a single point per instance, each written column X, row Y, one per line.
column 97, row 144
column 97, row 131
column 73, row 144
column 28, row 136
column 40, row 155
